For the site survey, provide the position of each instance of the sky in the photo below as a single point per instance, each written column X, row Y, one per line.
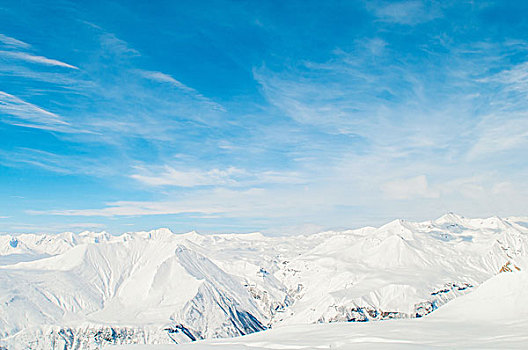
column 273, row 116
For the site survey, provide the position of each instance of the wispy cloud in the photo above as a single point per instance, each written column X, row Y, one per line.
column 165, row 78
column 124, row 114
column 302, row 204
column 35, row 158
column 58, row 79
column 409, row 188
column 26, row 114
column 133, row 209
column 168, row 79
column 327, row 126
column 23, row 56
column 384, row 104
column 499, row 133
column 56, row 163
column 231, row 176
column 188, row 178
column 113, row 46
column 405, row 123
column 410, row 12
column 504, row 124
column 514, row 78
column 12, row 42
column 215, row 202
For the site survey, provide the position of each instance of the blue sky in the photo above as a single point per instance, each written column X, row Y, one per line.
column 238, row 116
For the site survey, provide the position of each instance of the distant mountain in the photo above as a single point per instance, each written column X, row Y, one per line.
column 84, row 291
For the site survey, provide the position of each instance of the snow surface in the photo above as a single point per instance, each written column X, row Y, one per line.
column 495, row 316
column 91, row 289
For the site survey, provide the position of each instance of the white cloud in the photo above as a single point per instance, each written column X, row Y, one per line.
column 133, row 209
column 231, row 176
column 35, row 59
column 166, row 78
column 61, row 79
column 29, row 115
column 57, row 163
column 490, row 193
column 9, row 41
column 399, row 140
column 169, row 176
column 265, row 203
column 311, row 102
column 498, row 133
column 466, row 187
column 404, row 12
column 112, row 45
column 409, row 188
column 375, row 46
column 504, row 188
column 330, row 201
column 512, row 79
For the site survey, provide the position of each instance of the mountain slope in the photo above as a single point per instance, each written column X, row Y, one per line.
column 494, row 316
column 90, row 289
column 130, row 282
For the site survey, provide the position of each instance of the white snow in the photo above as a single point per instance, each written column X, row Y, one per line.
column 495, row 316
column 155, row 287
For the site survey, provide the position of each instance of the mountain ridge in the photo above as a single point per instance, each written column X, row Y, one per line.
column 160, row 287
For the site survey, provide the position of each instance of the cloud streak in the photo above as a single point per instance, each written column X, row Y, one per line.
column 216, row 202
column 56, row 163
column 12, row 42
column 405, row 12
column 231, row 176
column 23, row 56
column 133, row 209
column 23, row 113
column 498, row 134
column 167, row 79
column 189, row 178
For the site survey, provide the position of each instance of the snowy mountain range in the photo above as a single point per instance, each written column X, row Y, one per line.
column 494, row 316
column 88, row 290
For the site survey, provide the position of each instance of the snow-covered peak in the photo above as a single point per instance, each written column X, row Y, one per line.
column 450, row 219
column 400, row 228
column 181, row 287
